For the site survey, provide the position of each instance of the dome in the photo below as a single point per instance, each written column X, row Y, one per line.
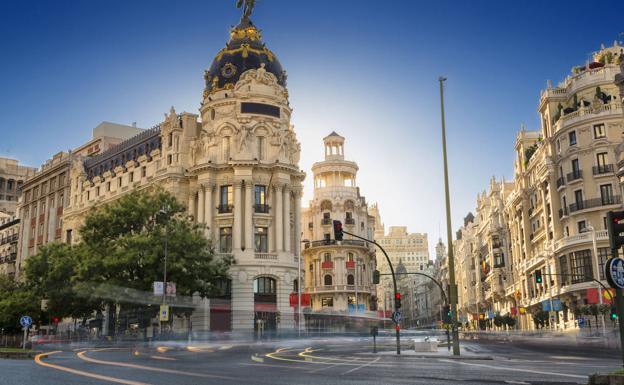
column 243, row 52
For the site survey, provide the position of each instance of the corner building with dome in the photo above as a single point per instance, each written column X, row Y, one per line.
column 236, row 167
column 338, row 274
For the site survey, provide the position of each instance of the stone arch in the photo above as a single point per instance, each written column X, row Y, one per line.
column 326, row 205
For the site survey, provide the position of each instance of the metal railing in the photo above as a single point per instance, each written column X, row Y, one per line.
column 349, row 221
column 574, row 175
column 561, row 182
column 261, row 208
column 326, row 221
column 602, row 169
column 224, row 209
column 597, row 202
column 563, row 212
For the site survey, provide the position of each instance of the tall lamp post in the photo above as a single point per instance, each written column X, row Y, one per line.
column 299, row 285
column 164, row 211
column 449, row 231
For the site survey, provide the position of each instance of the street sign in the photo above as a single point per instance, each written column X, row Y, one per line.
column 615, row 272
column 25, row 321
column 396, row 317
column 159, row 288
column 164, row 313
column 171, row 289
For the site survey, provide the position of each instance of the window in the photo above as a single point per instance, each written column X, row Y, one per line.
column 143, row 171
column 350, row 279
column 261, row 240
column 499, row 260
column 327, row 302
column 581, row 226
column 226, row 199
column 97, row 191
column 131, row 177
column 260, row 199
column 169, row 159
column 578, row 199
column 225, row 240
column 327, row 280
column 107, row 186
column 265, row 285
column 603, row 255
column 296, row 286
column 606, row 194
column 170, row 140
column 572, row 137
column 327, row 257
column 119, row 182
column 349, row 257
column 261, row 142
column 575, row 166
column 68, row 236
column 601, row 160
column 599, row 131
column 581, row 266
column 558, row 146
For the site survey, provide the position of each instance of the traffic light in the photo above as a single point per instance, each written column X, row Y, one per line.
column 446, row 314
column 55, row 320
column 615, row 228
column 376, row 277
column 338, row 230
column 538, row 276
column 397, row 301
column 278, row 317
column 613, row 314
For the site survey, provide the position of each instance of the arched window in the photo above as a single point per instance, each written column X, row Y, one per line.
column 265, row 285
column 349, row 257
column 296, row 286
column 327, row 257
column 328, row 280
column 350, row 279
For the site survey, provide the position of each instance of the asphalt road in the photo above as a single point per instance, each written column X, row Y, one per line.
column 312, row 361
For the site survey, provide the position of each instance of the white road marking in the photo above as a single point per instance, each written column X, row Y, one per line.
column 362, row 366
column 507, row 368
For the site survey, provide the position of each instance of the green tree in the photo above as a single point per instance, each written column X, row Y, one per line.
column 123, row 247
column 51, row 274
column 16, row 300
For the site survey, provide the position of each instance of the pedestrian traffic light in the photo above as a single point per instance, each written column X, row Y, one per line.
column 613, row 314
column 376, row 277
column 338, row 230
column 397, row 301
column 615, row 228
column 446, row 314
column 538, row 276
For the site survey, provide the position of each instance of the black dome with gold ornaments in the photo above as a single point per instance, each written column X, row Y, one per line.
column 243, row 52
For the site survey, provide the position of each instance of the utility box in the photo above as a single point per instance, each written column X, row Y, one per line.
column 426, row 344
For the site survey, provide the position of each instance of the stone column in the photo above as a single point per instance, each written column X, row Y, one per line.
column 191, row 205
column 279, row 221
column 286, row 203
column 249, row 209
column 238, row 216
column 200, row 205
column 208, row 208
column 297, row 245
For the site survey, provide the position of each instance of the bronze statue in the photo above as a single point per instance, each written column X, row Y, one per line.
column 247, row 6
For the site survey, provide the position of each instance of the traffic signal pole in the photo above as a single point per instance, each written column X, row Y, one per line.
column 398, row 327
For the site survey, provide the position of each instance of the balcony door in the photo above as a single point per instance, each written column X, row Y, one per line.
column 606, row 194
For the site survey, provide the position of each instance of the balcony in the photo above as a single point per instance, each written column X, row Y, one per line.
column 224, row 209
column 326, row 221
column 580, row 238
column 603, row 169
column 350, row 264
column 323, row 242
column 349, row 221
column 574, row 175
column 563, row 212
column 265, row 256
column 561, row 182
column 597, row 202
column 261, row 208
column 327, row 265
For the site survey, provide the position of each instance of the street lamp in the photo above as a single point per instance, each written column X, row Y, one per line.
column 164, row 211
column 306, row 241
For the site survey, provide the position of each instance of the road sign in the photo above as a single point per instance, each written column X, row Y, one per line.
column 170, row 288
column 615, row 272
column 159, row 288
column 25, row 321
column 396, row 317
column 164, row 312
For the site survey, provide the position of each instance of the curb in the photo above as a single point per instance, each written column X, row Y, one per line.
column 606, row 379
column 19, row 355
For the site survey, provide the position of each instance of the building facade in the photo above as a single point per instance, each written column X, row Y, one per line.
column 235, row 165
column 338, row 275
column 9, row 235
column 12, row 177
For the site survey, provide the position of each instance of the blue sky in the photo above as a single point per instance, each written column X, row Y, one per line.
column 367, row 69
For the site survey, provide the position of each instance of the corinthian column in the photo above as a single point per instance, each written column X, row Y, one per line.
column 286, row 193
column 297, row 208
column 200, row 205
column 249, row 209
column 191, row 205
column 238, row 216
column 279, row 221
